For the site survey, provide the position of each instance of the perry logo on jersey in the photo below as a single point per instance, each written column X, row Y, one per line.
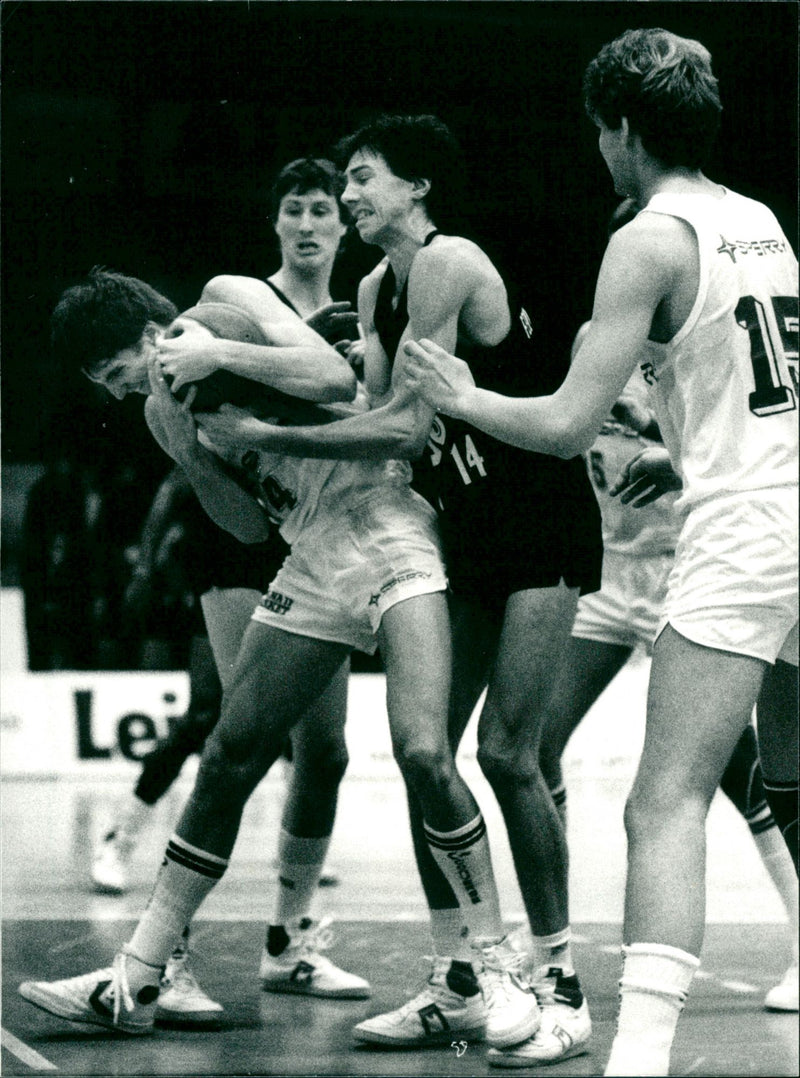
column 745, row 247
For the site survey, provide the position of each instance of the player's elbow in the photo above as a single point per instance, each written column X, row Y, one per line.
column 340, row 384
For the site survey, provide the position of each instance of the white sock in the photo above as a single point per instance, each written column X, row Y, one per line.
column 655, row 982
column 450, row 934
column 184, row 879
column 464, row 858
column 778, row 862
column 300, row 862
column 555, row 950
column 131, row 816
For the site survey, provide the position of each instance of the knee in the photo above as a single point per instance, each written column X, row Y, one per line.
column 325, row 765
column 424, row 765
column 232, row 765
column 655, row 807
column 507, row 766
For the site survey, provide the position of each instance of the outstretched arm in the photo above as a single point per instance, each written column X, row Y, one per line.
column 635, row 276
column 296, row 361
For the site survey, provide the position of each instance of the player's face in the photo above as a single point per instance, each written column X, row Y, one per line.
column 309, row 229
column 378, row 200
column 612, row 145
column 126, row 372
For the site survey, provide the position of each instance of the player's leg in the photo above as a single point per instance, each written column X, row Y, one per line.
column 742, row 783
column 277, row 676
column 586, row 669
column 291, row 960
column 535, row 632
column 414, row 639
column 699, row 701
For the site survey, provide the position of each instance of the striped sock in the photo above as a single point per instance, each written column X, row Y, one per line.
column 186, row 876
column 464, row 858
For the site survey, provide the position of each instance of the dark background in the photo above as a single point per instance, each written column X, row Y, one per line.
column 143, row 136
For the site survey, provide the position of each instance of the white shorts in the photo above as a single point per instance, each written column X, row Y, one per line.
column 734, row 585
column 627, row 608
column 338, row 581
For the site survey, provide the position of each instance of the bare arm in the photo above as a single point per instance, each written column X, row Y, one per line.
column 227, row 503
column 297, row 360
column 439, row 286
column 636, row 274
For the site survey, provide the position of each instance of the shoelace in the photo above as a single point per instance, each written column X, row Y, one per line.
column 317, row 938
column 503, row 968
column 179, row 972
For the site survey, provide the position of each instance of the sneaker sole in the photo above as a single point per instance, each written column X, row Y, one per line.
column 319, row 993
column 501, row 1059
column 433, row 1040
column 201, row 1020
column 61, row 1009
column 107, row 889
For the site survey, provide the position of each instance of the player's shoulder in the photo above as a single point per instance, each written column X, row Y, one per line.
column 230, row 287
column 654, row 243
column 448, row 256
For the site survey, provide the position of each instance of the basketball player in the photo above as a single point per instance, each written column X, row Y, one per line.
column 516, row 562
column 706, row 282
column 309, row 223
column 364, row 567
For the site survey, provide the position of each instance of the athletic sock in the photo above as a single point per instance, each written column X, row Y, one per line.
column 300, row 862
column 184, row 879
column 464, row 858
column 778, row 862
column 782, row 798
column 555, row 950
column 655, row 982
column 450, row 935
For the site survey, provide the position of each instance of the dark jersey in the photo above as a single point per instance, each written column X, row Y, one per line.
column 510, row 519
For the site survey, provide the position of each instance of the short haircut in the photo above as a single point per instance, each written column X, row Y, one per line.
column 414, row 148
column 307, row 174
column 665, row 87
column 104, row 314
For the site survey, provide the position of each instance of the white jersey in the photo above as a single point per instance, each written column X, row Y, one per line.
column 724, row 389
column 301, row 493
column 651, row 530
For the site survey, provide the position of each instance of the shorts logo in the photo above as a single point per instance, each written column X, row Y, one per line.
column 412, row 574
column 277, row 603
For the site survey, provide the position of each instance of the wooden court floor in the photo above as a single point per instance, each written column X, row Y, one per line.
column 54, row 926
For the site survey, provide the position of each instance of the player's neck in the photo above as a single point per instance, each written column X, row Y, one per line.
column 676, row 181
column 403, row 243
column 307, row 292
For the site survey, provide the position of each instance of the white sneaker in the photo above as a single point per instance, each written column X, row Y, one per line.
column 435, row 1016
column 512, row 1012
column 101, row 998
column 182, row 1003
column 565, row 1027
column 302, row 969
column 110, row 865
column 784, row 996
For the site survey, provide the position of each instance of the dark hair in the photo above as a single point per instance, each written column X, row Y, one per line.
column 307, row 174
column 414, row 148
column 102, row 315
column 665, row 87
